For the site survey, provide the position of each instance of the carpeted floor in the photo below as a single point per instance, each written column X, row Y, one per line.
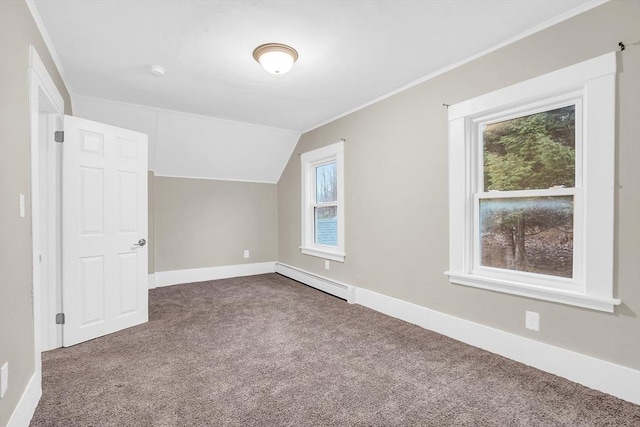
column 268, row 351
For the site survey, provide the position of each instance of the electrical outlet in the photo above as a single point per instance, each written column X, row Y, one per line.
column 532, row 320
column 246, row 253
column 4, row 379
column 327, row 264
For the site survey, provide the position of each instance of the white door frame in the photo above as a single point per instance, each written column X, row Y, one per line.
column 44, row 98
column 49, row 153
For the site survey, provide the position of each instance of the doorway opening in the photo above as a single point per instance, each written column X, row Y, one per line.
column 46, row 116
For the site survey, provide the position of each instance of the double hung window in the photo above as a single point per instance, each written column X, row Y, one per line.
column 526, row 194
column 323, row 202
column 531, row 187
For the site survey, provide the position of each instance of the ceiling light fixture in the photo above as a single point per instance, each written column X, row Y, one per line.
column 157, row 70
column 275, row 58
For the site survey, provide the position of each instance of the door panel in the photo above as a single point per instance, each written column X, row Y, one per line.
column 91, row 201
column 127, row 275
column 127, row 190
column 104, row 184
column 92, row 290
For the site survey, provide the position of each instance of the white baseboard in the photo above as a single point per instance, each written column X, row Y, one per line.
column 152, row 281
column 23, row 413
column 176, row 277
column 333, row 287
column 617, row 380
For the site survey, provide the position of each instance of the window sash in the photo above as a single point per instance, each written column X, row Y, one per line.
column 323, row 205
column 565, row 100
column 314, row 171
column 575, row 283
column 312, row 211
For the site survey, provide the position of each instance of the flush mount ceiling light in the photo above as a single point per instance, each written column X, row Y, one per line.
column 157, row 70
column 275, row 58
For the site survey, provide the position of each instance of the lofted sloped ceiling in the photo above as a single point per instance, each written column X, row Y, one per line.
column 350, row 53
column 188, row 145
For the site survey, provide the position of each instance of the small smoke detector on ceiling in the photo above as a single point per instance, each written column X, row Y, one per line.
column 275, row 58
column 157, row 70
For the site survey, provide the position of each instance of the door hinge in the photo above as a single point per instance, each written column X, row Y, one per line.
column 60, row 319
column 58, row 136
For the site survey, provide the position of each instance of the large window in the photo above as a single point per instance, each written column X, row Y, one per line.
column 531, row 187
column 525, row 197
column 323, row 202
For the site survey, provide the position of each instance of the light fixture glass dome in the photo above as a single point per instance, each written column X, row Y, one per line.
column 275, row 58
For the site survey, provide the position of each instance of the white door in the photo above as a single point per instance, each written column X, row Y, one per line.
column 104, row 227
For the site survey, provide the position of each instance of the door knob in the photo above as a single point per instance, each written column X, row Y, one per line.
column 140, row 243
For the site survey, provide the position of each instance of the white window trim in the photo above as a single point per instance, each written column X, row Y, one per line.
column 309, row 161
column 594, row 80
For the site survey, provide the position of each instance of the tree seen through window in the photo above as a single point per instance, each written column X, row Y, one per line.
column 533, row 152
column 326, row 216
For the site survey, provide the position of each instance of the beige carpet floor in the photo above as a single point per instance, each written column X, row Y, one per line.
column 268, row 351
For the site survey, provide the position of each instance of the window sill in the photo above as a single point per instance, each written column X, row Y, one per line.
column 546, row 294
column 320, row 253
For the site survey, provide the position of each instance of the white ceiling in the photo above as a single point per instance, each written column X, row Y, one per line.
column 351, row 52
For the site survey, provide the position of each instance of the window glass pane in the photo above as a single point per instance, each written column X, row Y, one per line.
column 533, row 234
column 326, row 183
column 326, row 225
column 531, row 152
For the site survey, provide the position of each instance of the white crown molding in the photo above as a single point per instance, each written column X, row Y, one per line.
column 47, row 40
column 549, row 23
column 617, row 380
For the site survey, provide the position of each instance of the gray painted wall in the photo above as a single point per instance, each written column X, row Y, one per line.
column 396, row 175
column 208, row 223
column 17, row 32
